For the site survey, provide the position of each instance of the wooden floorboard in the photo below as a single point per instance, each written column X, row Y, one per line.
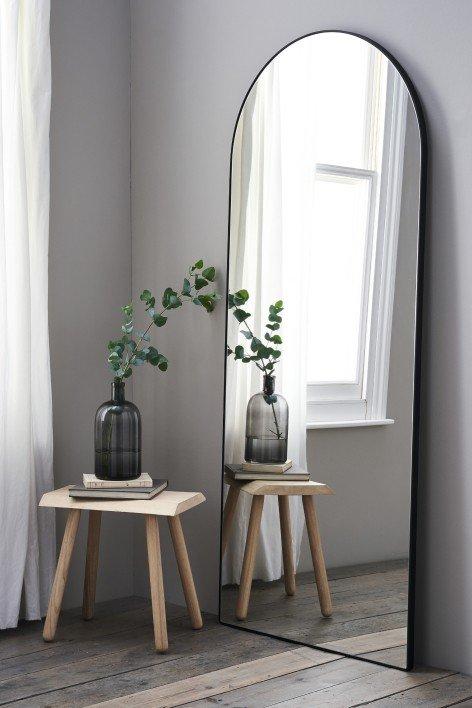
column 127, row 669
column 449, row 691
column 365, row 643
column 368, row 600
column 342, row 684
column 27, row 638
column 110, row 661
column 285, row 688
column 248, row 673
column 320, row 630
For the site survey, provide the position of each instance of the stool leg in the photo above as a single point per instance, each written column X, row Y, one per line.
column 249, row 557
column 317, row 556
column 286, row 537
column 185, row 571
column 57, row 591
column 91, row 564
column 228, row 515
column 157, row 583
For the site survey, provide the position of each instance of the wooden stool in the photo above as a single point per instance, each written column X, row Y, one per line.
column 169, row 504
column 259, row 489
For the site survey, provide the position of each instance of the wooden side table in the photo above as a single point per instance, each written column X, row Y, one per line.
column 168, row 504
column 283, row 490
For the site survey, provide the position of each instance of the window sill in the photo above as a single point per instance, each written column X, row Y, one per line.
column 349, row 424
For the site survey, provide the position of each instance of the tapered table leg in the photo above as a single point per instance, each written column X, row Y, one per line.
column 249, row 557
column 228, row 515
column 157, row 583
column 287, row 552
column 185, row 571
column 91, row 564
column 62, row 570
column 317, row 556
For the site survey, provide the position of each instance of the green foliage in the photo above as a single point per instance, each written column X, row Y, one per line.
column 126, row 352
column 262, row 354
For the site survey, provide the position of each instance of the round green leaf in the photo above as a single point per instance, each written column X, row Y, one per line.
column 241, row 296
column 163, row 362
column 159, row 320
column 153, row 356
column 241, row 315
column 209, row 273
column 200, row 283
column 186, row 287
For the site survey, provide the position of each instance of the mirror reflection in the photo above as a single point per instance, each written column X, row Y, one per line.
column 325, row 179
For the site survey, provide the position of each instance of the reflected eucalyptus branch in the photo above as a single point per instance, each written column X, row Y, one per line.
column 264, row 356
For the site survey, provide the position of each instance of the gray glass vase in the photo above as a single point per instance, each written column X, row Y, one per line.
column 117, row 437
column 267, row 426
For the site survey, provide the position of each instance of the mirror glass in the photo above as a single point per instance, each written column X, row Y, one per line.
column 322, row 283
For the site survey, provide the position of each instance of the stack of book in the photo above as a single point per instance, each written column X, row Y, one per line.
column 144, row 487
column 285, row 472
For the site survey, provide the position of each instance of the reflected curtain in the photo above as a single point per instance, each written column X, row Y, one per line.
column 267, row 256
column 27, row 539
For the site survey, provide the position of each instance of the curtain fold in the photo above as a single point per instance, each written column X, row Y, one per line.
column 27, row 536
column 268, row 246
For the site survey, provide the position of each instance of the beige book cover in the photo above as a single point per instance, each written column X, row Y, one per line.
column 92, row 482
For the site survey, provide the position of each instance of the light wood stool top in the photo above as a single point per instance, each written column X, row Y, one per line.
column 169, row 504
column 284, row 488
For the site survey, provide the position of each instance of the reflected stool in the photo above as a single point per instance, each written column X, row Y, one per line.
column 283, row 490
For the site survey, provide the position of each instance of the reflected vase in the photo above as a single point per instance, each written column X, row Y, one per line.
column 267, row 426
column 117, row 437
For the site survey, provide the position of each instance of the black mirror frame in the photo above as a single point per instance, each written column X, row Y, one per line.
column 417, row 366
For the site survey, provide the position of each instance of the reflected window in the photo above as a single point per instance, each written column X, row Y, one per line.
column 341, row 180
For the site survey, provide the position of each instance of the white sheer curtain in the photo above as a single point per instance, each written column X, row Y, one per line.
column 268, row 257
column 27, row 539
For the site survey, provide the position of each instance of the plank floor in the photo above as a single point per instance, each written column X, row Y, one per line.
column 370, row 604
column 110, row 661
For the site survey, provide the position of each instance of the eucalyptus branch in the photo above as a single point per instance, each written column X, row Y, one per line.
column 125, row 353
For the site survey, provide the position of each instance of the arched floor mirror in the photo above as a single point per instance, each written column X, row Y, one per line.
column 326, row 230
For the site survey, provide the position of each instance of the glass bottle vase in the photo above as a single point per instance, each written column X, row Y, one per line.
column 267, row 426
column 117, row 437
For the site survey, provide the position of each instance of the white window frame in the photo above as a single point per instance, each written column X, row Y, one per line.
column 364, row 401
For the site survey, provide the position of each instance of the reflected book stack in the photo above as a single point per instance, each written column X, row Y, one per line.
column 250, row 471
column 144, row 487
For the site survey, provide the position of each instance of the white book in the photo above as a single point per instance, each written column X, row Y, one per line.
column 92, row 482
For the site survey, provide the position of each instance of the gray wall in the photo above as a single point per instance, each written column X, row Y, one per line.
column 90, row 249
column 192, row 63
